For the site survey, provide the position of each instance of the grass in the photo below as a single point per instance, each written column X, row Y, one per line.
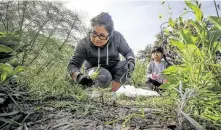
column 139, row 74
column 55, row 82
column 51, row 83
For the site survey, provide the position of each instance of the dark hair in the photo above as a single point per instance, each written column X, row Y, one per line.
column 157, row 49
column 103, row 19
column 161, row 50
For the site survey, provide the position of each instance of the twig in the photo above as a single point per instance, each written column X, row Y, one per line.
column 26, row 128
column 59, row 125
column 9, row 114
column 216, row 8
column 65, row 127
column 192, row 121
column 20, row 127
column 26, row 117
column 13, row 100
column 31, row 123
column 9, row 121
column 48, row 126
column 2, row 126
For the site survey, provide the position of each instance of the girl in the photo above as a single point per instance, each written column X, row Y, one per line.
column 155, row 68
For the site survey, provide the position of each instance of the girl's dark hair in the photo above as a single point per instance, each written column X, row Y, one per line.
column 157, row 49
column 161, row 50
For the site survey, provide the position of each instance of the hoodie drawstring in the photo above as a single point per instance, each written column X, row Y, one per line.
column 107, row 55
column 107, row 59
column 98, row 62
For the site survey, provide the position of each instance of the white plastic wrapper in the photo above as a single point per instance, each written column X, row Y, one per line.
column 131, row 91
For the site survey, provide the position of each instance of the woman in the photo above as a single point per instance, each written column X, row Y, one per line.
column 101, row 47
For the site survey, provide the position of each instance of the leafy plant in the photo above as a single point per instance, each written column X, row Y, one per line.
column 7, row 71
column 5, row 49
column 198, row 69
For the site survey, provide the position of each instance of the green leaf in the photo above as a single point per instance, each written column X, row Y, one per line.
column 3, row 77
column 171, row 23
column 216, row 65
column 166, row 31
column 18, row 69
column 5, row 49
column 196, row 9
column 216, row 21
column 213, row 36
column 200, row 30
column 6, row 68
column 186, row 36
column 181, row 21
column 2, row 34
column 180, row 45
column 165, row 85
column 171, row 82
column 194, row 39
column 169, row 70
column 193, row 49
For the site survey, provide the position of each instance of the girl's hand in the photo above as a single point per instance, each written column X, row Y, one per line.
column 154, row 76
column 165, row 81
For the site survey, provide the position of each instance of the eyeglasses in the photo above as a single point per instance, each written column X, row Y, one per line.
column 101, row 37
column 156, row 52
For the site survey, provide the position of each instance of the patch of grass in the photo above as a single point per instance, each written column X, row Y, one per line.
column 161, row 102
column 139, row 74
column 51, row 83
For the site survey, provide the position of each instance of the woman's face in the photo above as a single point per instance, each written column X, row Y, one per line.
column 99, row 36
column 157, row 56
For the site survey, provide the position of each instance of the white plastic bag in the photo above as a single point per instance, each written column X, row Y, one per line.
column 131, row 91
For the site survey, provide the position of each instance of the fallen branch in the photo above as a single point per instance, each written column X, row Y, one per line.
column 192, row 121
column 9, row 114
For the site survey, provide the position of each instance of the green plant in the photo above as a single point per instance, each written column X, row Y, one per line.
column 198, row 69
column 139, row 74
column 95, row 73
column 6, row 70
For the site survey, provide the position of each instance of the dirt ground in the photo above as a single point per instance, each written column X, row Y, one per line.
column 18, row 112
column 76, row 115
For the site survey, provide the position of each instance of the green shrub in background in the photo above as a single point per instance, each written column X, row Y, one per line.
column 47, row 76
column 139, row 75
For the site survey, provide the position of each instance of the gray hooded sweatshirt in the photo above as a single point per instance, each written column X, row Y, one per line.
column 107, row 56
column 157, row 69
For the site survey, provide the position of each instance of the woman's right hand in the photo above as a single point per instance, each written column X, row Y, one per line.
column 84, row 80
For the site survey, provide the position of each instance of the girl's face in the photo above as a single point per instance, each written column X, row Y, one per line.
column 157, row 56
column 99, row 36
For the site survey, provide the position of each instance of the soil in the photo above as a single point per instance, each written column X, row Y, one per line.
column 18, row 112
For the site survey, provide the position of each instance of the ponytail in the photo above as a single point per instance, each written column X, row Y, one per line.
column 164, row 57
